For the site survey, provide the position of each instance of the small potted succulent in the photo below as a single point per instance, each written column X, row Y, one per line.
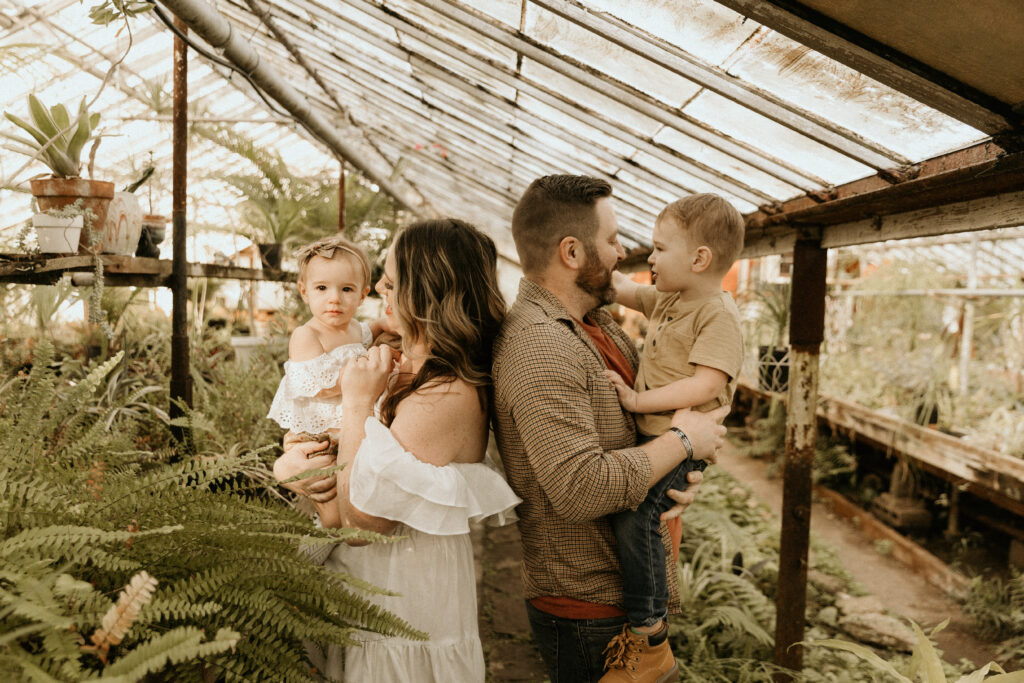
column 57, row 141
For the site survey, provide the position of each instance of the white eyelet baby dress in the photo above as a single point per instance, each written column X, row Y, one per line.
column 430, row 568
column 296, row 406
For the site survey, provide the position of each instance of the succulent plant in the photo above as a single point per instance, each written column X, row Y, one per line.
column 56, row 140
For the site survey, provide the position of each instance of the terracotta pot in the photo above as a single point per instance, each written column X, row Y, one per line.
column 56, row 193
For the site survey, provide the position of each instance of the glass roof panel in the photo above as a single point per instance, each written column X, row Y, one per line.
column 600, row 104
column 439, row 25
column 574, row 126
column 725, row 164
column 696, row 184
column 458, row 66
column 705, row 29
column 781, row 142
column 506, row 11
column 569, row 39
column 823, row 86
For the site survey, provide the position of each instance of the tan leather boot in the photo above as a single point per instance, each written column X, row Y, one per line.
column 629, row 658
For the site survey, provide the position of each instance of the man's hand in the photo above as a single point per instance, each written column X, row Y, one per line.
column 627, row 396
column 705, row 431
column 683, row 499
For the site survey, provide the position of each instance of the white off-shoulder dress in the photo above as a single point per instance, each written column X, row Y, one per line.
column 430, row 568
column 296, row 405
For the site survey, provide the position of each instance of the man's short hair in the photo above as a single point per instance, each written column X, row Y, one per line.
column 709, row 221
column 552, row 208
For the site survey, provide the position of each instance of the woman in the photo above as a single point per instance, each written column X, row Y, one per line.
column 416, row 472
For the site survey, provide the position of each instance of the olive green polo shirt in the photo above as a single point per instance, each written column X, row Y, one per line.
column 680, row 336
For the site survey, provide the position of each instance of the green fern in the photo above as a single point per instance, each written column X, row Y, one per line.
column 82, row 510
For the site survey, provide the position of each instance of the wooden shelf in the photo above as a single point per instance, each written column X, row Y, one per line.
column 122, row 270
column 981, row 471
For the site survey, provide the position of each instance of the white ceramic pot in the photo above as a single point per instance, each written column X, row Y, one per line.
column 123, row 226
column 57, row 235
column 247, row 348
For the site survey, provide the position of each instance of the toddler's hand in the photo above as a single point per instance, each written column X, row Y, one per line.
column 627, row 396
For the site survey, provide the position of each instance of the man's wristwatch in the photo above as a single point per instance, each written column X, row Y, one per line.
column 686, row 441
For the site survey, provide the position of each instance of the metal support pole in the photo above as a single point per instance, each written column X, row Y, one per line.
column 806, row 331
column 341, row 197
column 967, row 331
column 181, row 384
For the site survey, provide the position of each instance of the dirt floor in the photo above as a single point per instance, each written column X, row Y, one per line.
column 897, row 587
column 506, row 633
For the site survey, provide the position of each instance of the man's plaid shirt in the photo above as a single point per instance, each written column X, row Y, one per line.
column 568, row 449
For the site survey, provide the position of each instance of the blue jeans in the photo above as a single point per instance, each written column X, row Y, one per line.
column 572, row 649
column 642, row 552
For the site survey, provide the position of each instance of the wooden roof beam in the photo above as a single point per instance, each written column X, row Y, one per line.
column 981, row 170
column 983, row 213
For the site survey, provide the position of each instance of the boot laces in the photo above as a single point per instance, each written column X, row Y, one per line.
column 622, row 650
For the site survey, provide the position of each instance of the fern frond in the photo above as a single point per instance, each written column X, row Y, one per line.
column 120, row 617
column 63, row 539
column 178, row 645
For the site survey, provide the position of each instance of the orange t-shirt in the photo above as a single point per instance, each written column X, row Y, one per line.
column 571, row 608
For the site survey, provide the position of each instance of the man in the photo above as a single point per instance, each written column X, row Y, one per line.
column 568, row 448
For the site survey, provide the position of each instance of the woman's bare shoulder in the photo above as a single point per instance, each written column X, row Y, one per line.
column 440, row 422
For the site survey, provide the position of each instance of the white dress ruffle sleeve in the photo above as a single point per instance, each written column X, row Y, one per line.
column 430, row 568
column 296, row 406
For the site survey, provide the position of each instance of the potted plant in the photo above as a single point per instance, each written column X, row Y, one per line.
column 274, row 212
column 56, row 233
column 57, row 141
column 277, row 206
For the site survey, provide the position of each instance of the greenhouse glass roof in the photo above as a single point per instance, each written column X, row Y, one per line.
column 456, row 107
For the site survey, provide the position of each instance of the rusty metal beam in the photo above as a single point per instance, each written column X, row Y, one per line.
column 806, row 332
column 181, row 381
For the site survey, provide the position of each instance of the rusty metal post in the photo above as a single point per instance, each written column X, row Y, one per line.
column 341, row 197
column 806, row 332
column 181, row 384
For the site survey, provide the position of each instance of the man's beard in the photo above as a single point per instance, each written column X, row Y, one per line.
column 594, row 279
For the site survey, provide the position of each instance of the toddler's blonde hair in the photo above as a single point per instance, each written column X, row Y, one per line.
column 328, row 247
column 709, row 221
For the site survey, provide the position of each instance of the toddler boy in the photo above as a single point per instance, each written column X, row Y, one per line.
column 692, row 355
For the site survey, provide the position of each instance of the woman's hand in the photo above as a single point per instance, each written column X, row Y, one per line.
column 299, row 457
column 365, row 379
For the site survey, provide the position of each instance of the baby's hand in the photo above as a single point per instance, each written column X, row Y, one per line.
column 627, row 396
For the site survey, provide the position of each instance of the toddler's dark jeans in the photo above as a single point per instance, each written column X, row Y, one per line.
column 641, row 551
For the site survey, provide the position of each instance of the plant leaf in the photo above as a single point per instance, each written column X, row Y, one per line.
column 929, row 657
column 866, row 654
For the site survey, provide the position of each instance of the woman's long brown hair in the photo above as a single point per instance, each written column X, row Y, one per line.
column 446, row 295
